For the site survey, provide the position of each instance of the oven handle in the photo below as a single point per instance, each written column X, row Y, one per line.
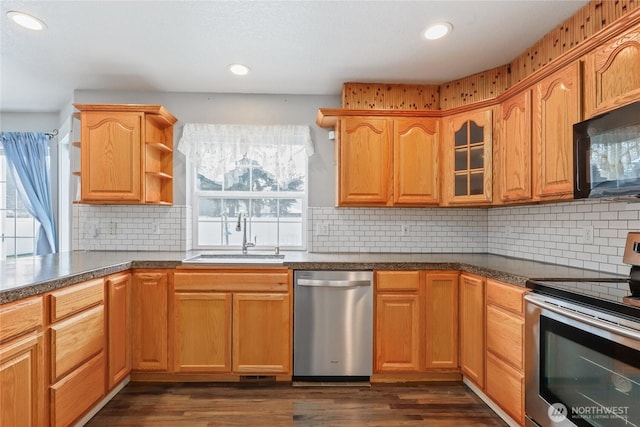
column 584, row 319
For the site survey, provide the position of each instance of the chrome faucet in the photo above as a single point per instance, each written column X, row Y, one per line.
column 239, row 227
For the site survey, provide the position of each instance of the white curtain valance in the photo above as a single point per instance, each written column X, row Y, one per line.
column 216, row 149
column 199, row 136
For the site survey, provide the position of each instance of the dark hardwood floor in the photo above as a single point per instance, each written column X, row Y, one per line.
column 210, row 404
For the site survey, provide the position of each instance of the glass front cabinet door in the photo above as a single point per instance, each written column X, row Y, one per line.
column 468, row 165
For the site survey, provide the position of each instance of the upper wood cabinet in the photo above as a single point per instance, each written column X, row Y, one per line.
column 611, row 75
column 126, row 154
column 557, row 101
column 513, row 159
column 364, row 156
column 386, row 162
column 467, row 155
column 415, row 161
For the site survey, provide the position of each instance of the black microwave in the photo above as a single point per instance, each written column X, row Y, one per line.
column 606, row 154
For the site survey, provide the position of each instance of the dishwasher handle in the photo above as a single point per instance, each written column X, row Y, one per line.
column 333, row 283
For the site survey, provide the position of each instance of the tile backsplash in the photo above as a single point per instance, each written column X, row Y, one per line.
column 397, row 230
column 132, row 227
column 586, row 234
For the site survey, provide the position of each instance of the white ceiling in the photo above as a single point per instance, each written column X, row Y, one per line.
column 292, row 47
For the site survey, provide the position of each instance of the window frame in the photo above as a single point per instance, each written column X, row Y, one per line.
column 197, row 195
column 5, row 178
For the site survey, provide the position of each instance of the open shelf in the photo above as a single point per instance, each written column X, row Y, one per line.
column 159, row 146
column 161, row 175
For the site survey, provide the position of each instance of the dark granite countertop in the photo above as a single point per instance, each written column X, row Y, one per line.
column 35, row 275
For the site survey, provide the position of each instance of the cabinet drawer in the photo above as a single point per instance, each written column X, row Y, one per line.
column 79, row 391
column 75, row 340
column 509, row 297
column 74, row 299
column 397, row 280
column 267, row 280
column 19, row 317
column 505, row 334
column 505, row 386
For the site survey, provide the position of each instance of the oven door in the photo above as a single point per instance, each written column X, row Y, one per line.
column 579, row 369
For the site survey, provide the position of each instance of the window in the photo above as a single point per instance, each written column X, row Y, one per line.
column 255, row 172
column 18, row 229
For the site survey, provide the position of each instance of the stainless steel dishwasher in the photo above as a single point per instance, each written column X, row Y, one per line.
column 333, row 325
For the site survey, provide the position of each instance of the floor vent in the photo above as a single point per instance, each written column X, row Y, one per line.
column 257, row 379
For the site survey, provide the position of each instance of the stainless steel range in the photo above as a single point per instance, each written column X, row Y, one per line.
column 582, row 348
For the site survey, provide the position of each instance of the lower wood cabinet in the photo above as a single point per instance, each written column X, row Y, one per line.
column 416, row 321
column 441, row 315
column 77, row 392
column 202, row 331
column 150, row 322
column 118, row 288
column 397, row 333
column 505, row 347
column 505, row 387
column 472, row 327
column 22, row 375
column 262, row 333
column 77, row 357
column 233, row 321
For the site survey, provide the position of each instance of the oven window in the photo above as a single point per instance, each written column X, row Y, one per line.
column 597, row 380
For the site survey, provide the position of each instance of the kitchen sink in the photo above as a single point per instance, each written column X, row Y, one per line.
column 222, row 258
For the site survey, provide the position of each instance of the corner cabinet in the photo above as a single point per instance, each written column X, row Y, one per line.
column 384, row 161
column 611, row 74
column 557, row 104
column 467, row 168
column 126, row 154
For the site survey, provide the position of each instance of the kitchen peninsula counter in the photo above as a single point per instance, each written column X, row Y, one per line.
column 23, row 277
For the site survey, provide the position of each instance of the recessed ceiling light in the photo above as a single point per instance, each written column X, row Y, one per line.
column 437, row 31
column 27, row 21
column 239, row 69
